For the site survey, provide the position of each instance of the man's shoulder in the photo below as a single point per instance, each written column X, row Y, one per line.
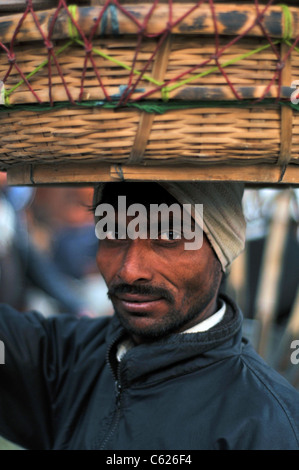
column 275, row 395
column 264, row 373
column 63, row 325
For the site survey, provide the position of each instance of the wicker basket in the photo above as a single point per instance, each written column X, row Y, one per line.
column 203, row 91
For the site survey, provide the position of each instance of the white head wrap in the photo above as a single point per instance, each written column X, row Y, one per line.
column 223, row 219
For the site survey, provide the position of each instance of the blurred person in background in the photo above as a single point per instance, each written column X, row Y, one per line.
column 62, row 225
column 23, row 267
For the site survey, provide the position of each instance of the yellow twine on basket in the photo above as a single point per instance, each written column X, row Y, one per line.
column 73, row 32
column 288, row 22
column 165, row 90
column 121, row 64
column 7, row 93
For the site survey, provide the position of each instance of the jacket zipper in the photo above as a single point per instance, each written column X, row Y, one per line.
column 116, row 417
column 118, row 390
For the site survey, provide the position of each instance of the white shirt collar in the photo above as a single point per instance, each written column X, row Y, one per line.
column 209, row 322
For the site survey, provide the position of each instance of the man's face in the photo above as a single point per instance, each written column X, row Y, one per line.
column 157, row 287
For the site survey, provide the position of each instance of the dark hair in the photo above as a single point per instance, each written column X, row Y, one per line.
column 143, row 192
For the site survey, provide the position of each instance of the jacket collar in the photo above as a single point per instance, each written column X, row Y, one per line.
column 176, row 354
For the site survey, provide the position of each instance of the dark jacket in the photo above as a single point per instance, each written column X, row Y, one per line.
column 60, row 388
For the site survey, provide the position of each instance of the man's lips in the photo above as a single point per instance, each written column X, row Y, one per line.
column 139, row 302
column 138, row 297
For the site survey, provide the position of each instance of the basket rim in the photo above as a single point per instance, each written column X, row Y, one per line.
column 231, row 19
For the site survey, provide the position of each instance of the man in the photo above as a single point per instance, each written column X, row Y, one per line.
column 170, row 369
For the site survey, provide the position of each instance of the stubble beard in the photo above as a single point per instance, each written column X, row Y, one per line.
column 174, row 321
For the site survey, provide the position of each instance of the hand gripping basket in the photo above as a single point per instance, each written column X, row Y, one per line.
column 177, row 90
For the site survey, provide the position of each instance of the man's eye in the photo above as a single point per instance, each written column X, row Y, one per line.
column 170, row 235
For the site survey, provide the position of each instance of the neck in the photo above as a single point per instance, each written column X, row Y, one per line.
column 208, row 311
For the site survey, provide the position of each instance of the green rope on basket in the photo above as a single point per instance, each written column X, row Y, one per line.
column 288, row 22
column 155, row 106
column 73, row 32
column 121, row 64
column 166, row 89
column 7, row 93
column 296, row 48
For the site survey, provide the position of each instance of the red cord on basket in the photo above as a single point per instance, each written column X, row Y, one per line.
column 133, row 81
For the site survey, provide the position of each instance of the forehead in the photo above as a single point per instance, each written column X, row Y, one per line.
column 145, row 193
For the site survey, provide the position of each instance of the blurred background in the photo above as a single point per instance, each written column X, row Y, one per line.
column 264, row 280
column 47, row 251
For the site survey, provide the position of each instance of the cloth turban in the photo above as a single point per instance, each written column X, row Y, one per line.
column 223, row 220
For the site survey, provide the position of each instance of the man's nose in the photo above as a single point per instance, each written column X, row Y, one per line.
column 136, row 262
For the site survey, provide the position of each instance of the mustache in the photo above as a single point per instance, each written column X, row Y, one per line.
column 142, row 289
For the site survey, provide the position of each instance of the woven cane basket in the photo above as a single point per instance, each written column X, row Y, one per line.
column 108, row 90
